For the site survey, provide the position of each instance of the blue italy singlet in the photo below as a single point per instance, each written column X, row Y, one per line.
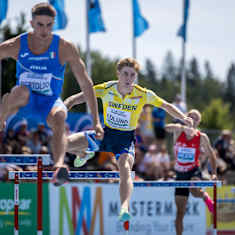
column 43, row 75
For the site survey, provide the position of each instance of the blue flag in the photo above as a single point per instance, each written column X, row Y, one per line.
column 61, row 18
column 95, row 21
column 140, row 24
column 182, row 32
column 3, row 9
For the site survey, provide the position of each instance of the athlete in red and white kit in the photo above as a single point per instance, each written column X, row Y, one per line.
column 189, row 144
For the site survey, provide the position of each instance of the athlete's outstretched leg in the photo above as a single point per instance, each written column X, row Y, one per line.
column 84, row 145
column 77, row 143
column 197, row 192
column 125, row 164
column 12, row 102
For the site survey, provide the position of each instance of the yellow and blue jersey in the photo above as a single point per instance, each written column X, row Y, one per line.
column 122, row 113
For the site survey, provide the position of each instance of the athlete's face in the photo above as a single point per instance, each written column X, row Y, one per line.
column 42, row 26
column 127, row 76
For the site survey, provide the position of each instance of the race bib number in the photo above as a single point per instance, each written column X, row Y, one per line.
column 117, row 118
column 40, row 83
column 186, row 155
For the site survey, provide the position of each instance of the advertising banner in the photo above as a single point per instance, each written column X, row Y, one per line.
column 225, row 210
column 27, row 209
column 93, row 209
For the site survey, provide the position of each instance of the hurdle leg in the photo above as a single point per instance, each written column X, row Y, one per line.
column 215, row 210
column 16, row 204
column 39, row 197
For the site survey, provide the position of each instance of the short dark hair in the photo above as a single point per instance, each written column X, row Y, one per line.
column 43, row 9
column 129, row 62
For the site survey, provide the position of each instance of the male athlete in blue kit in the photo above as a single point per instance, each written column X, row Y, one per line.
column 41, row 59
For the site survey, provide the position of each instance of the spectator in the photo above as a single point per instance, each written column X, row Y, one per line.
column 138, row 137
column 22, row 134
column 150, row 164
column 11, row 140
column 163, row 160
column 44, row 150
column 139, row 156
column 158, row 122
column 7, row 149
column 145, row 125
column 42, row 133
column 34, row 143
column 3, row 173
column 26, row 150
column 224, row 148
column 105, row 157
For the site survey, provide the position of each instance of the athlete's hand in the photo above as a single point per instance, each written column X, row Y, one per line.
column 188, row 121
column 99, row 131
column 213, row 177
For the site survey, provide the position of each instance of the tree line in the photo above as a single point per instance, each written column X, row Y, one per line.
column 212, row 96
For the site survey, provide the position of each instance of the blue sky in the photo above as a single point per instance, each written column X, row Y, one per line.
column 211, row 32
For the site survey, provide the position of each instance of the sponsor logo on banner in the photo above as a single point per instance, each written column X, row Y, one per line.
column 80, row 209
column 93, row 209
column 27, row 208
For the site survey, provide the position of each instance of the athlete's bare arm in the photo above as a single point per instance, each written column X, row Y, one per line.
column 74, row 100
column 205, row 143
column 10, row 48
column 173, row 128
column 176, row 113
column 69, row 53
column 176, row 129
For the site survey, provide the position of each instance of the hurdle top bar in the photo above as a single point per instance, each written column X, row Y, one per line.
column 22, row 159
column 178, row 184
column 73, row 175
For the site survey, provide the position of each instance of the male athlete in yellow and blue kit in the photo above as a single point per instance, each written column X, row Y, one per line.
column 123, row 101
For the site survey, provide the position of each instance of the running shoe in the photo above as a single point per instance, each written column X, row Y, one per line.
column 124, row 215
column 60, row 176
column 209, row 203
column 81, row 161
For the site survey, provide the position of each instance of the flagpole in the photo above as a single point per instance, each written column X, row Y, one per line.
column 183, row 78
column 133, row 39
column 133, row 46
column 88, row 53
column 1, row 40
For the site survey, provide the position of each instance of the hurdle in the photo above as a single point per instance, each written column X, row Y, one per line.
column 40, row 175
column 187, row 184
column 29, row 159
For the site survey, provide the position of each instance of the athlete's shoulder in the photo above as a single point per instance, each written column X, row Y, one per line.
column 141, row 89
column 10, row 48
column 68, row 52
column 203, row 135
column 105, row 86
column 65, row 44
column 109, row 84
